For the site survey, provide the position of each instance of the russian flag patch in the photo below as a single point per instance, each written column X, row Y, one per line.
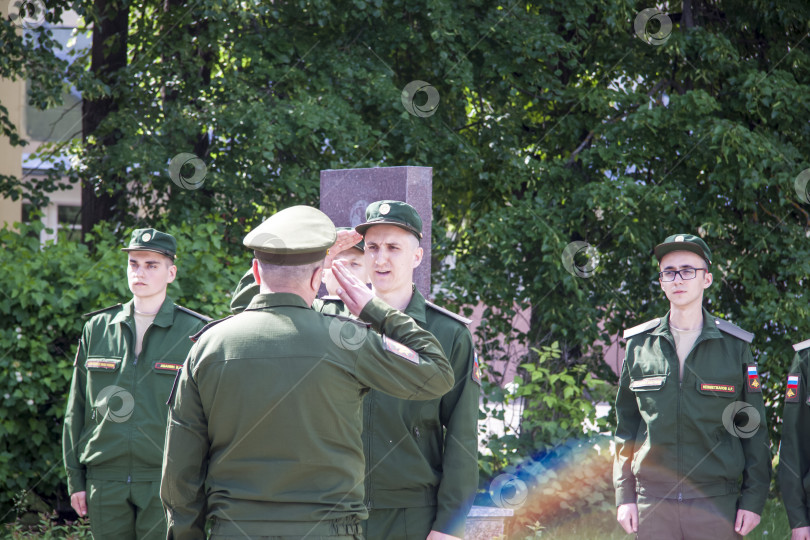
column 753, row 379
column 792, row 392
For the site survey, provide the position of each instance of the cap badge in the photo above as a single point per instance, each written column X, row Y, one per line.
column 385, row 208
column 146, row 237
column 679, row 238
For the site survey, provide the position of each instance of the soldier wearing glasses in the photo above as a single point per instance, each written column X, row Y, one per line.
column 692, row 456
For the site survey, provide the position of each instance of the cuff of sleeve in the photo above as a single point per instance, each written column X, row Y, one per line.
column 625, row 495
column 375, row 313
column 753, row 503
column 449, row 524
column 76, row 482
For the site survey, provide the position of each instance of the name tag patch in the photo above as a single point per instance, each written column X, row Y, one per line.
column 102, row 363
column 167, row 366
column 400, row 350
column 648, row 382
column 725, row 388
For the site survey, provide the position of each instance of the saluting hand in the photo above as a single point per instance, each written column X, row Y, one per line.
column 345, row 240
column 351, row 290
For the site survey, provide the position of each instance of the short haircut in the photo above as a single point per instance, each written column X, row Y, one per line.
column 295, row 276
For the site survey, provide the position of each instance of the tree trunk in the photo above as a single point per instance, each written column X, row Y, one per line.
column 103, row 190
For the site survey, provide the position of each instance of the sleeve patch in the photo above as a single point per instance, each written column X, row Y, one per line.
column 476, row 370
column 753, row 379
column 400, row 350
column 792, row 391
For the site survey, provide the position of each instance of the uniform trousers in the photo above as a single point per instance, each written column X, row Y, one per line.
column 125, row 510
column 705, row 518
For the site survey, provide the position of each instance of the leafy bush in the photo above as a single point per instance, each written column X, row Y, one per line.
column 45, row 292
column 47, row 528
column 550, row 468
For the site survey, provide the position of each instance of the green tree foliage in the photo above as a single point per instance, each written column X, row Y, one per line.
column 556, row 123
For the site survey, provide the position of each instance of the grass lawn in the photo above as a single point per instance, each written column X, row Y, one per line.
column 603, row 526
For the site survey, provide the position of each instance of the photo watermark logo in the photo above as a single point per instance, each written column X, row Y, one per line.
column 429, row 107
column 189, row 180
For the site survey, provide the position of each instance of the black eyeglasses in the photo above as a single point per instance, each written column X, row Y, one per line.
column 685, row 273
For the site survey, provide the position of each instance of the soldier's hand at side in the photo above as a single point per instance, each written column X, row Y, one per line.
column 746, row 521
column 351, row 290
column 79, row 502
column 345, row 240
column 436, row 535
column 800, row 533
column 627, row 516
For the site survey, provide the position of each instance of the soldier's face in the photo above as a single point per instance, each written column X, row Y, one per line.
column 391, row 255
column 149, row 273
column 685, row 292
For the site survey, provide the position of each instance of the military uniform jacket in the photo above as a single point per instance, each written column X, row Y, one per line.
column 426, row 454
column 115, row 421
column 794, row 452
column 265, row 427
column 681, row 440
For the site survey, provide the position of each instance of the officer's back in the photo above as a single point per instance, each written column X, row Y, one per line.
column 264, row 431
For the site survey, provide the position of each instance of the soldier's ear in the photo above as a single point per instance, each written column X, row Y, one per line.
column 256, row 275
column 708, row 280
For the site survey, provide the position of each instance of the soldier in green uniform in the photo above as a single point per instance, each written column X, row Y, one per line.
column 421, row 458
column 115, row 421
column 794, row 452
column 692, row 453
column 264, row 433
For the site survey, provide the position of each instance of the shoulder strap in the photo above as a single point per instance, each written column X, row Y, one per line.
column 463, row 320
column 207, row 327
column 801, row 346
column 343, row 318
column 194, row 313
column 643, row 327
column 734, row 330
column 90, row 314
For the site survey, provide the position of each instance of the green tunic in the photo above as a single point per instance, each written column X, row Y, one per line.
column 426, row 454
column 794, row 452
column 115, row 421
column 681, row 441
column 265, row 428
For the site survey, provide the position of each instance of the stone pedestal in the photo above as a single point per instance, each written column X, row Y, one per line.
column 345, row 194
column 486, row 522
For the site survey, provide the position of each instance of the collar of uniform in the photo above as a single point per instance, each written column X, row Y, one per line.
column 267, row 300
column 164, row 317
column 709, row 331
column 417, row 307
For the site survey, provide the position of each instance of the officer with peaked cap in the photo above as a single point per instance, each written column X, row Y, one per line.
column 794, row 451
column 115, row 422
column 264, row 429
column 688, row 464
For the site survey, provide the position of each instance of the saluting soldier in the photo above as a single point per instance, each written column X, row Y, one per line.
column 421, row 458
column 794, row 452
column 692, row 454
column 264, row 433
column 115, row 421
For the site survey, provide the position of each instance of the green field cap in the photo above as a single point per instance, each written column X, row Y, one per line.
column 292, row 237
column 361, row 245
column 683, row 242
column 152, row 240
column 397, row 213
